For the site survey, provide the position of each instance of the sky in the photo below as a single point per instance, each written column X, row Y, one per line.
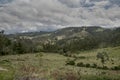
column 47, row 15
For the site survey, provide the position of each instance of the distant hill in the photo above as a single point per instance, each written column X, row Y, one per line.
column 92, row 36
column 67, row 33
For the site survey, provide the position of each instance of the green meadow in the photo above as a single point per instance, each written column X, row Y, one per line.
column 52, row 66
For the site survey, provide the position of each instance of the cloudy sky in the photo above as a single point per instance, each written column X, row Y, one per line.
column 39, row 15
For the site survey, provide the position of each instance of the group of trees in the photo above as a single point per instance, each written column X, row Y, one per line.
column 4, row 44
column 15, row 46
column 65, row 46
column 115, row 38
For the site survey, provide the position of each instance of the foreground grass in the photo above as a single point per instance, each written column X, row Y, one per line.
column 51, row 66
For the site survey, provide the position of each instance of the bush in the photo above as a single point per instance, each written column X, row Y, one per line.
column 80, row 64
column 116, row 68
column 99, row 67
column 70, row 62
column 82, row 57
column 105, row 68
column 87, row 65
column 94, row 65
column 83, row 65
column 67, row 55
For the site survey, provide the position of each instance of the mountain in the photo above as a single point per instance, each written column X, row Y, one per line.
column 65, row 33
column 74, row 32
column 70, row 39
column 64, row 40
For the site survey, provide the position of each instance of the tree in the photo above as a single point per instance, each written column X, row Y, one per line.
column 103, row 56
column 2, row 32
column 4, row 44
column 18, row 47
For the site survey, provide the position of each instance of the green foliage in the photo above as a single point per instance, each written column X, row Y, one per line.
column 53, row 68
column 81, row 57
column 105, row 68
column 16, row 46
column 116, row 67
column 88, row 65
column 39, row 55
column 50, row 47
column 103, row 56
column 74, row 45
column 4, row 45
column 80, row 64
column 94, row 65
column 6, row 76
column 80, row 39
column 22, row 46
column 70, row 62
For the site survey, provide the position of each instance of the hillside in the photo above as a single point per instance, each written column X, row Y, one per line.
column 74, row 53
column 65, row 33
column 51, row 66
column 72, row 38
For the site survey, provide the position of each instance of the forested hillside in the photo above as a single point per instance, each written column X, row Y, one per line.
column 61, row 41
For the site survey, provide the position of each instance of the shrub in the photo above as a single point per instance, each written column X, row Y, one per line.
column 39, row 55
column 5, row 61
column 80, row 64
column 87, row 65
column 94, row 65
column 105, row 68
column 99, row 67
column 103, row 73
column 70, row 62
column 103, row 56
column 82, row 57
column 116, row 68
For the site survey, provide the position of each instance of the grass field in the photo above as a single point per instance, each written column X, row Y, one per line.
column 51, row 66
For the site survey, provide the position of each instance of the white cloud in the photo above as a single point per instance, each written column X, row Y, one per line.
column 33, row 15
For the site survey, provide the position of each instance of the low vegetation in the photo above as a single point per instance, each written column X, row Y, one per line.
column 52, row 66
column 91, row 55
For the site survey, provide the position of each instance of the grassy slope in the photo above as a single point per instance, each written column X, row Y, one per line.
column 30, row 64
